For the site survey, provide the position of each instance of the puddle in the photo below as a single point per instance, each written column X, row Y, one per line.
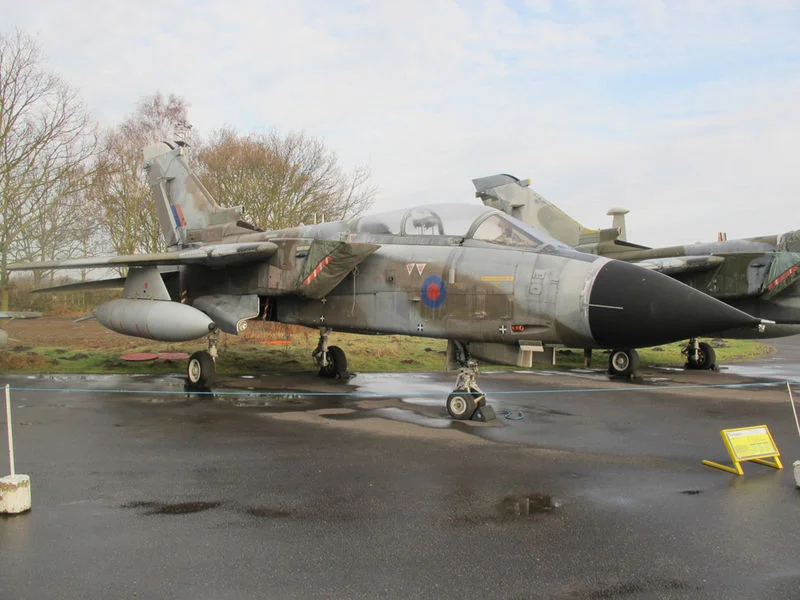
column 287, row 402
column 778, row 370
column 528, row 505
column 522, row 507
column 394, row 414
column 175, row 508
column 656, row 588
column 267, row 513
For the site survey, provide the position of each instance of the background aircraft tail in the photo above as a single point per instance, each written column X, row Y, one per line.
column 515, row 197
column 186, row 210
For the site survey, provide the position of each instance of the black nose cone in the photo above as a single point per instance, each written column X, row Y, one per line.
column 632, row 307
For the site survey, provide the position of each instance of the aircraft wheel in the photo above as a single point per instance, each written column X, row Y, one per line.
column 201, row 369
column 623, row 363
column 706, row 357
column 337, row 363
column 461, row 405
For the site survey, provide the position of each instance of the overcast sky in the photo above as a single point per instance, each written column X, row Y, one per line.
column 685, row 112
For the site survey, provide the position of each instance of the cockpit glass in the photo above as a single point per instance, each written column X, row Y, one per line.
column 439, row 219
column 499, row 230
column 456, row 220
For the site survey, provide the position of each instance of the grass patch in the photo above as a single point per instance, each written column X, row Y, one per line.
column 256, row 354
column 236, row 357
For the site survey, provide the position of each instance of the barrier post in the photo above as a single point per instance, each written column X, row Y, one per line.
column 15, row 490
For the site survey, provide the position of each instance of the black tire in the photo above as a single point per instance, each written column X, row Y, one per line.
column 337, row 363
column 201, row 369
column 461, row 405
column 623, row 363
column 706, row 357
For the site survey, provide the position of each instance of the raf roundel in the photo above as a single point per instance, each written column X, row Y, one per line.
column 433, row 293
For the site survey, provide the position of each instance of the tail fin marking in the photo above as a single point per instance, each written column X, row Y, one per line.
column 183, row 204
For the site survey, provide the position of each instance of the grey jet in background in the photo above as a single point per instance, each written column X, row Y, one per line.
column 483, row 280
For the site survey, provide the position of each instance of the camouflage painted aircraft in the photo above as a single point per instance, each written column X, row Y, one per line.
column 10, row 315
column 463, row 272
column 757, row 275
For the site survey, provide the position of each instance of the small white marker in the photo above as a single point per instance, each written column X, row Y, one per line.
column 15, row 490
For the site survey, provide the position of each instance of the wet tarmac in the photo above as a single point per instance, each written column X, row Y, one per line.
column 293, row 487
column 784, row 364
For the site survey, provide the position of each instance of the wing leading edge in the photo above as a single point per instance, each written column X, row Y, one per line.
column 218, row 255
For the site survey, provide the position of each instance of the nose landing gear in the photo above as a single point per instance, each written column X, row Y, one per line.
column 699, row 355
column 467, row 401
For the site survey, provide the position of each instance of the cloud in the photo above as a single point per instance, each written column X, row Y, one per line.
column 682, row 111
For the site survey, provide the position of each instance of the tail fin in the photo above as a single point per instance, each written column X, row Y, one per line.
column 516, row 198
column 186, row 211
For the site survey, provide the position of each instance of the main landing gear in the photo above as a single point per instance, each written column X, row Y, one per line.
column 623, row 363
column 331, row 360
column 699, row 355
column 467, row 400
column 201, row 369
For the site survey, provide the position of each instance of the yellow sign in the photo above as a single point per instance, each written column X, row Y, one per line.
column 748, row 444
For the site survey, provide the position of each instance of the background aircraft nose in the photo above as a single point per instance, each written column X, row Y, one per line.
column 632, row 307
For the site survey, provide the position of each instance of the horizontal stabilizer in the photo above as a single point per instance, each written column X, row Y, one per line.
column 219, row 255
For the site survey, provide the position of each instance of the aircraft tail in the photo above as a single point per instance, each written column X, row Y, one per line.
column 186, row 210
column 515, row 197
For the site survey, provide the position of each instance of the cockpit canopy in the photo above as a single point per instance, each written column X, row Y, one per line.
column 467, row 221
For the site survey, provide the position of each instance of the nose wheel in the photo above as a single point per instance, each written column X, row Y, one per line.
column 467, row 401
column 699, row 355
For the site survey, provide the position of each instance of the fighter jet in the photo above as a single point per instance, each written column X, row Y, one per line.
column 757, row 275
column 14, row 314
column 463, row 272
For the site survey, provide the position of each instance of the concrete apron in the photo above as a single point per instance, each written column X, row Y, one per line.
column 15, row 494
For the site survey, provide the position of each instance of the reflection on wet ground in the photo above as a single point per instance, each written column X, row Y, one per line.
column 175, row 508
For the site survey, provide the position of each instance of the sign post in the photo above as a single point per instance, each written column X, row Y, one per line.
column 753, row 444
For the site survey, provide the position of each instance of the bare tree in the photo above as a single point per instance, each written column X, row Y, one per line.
column 129, row 214
column 281, row 181
column 46, row 141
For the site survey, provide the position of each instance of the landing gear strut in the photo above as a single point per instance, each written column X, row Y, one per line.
column 699, row 355
column 623, row 363
column 467, row 401
column 201, row 370
column 331, row 360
